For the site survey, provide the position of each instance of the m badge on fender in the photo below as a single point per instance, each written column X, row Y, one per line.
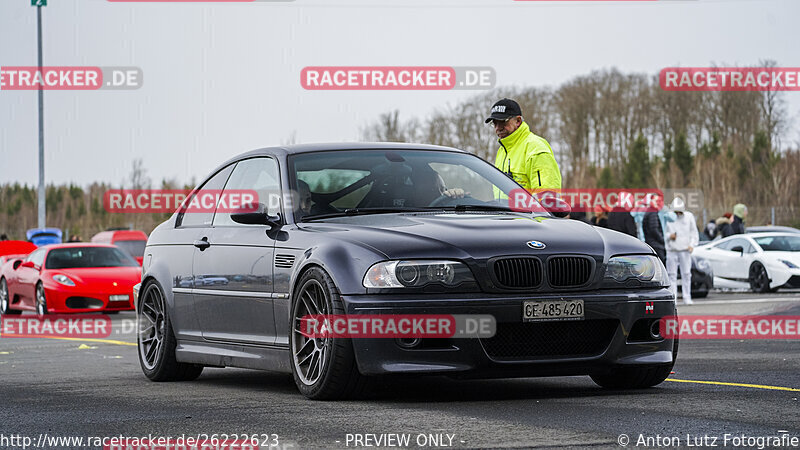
column 649, row 308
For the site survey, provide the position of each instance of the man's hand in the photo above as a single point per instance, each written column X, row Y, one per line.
column 455, row 193
column 691, row 249
column 673, row 236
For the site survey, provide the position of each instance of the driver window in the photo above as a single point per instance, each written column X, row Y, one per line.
column 257, row 174
column 37, row 257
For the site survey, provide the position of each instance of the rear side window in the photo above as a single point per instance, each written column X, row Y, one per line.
column 204, row 218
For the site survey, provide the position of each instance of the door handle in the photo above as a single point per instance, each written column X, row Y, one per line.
column 202, row 244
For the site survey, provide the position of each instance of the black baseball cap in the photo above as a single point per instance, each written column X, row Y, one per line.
column 504, row 109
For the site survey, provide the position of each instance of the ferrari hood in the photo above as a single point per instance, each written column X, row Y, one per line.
column 477, row 235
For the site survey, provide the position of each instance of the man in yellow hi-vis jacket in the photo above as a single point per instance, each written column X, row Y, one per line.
column 524, row 156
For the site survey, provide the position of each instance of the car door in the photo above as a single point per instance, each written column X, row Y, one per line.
column 233, row 276
column 184, row 239
column 720, row 257
column 26, row 278
column 740, row 269
column 732, row 259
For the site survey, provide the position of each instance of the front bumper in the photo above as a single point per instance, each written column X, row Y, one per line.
column 67, row 299
column 610, row 335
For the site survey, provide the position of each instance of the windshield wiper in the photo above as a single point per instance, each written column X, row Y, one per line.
column 472, row 207
column 362, row 211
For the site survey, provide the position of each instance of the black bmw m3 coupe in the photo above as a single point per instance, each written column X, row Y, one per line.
column 394, row 229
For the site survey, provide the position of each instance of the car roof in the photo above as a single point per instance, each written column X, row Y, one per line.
column 771, row 233
column 307, row 148
column 76, row 244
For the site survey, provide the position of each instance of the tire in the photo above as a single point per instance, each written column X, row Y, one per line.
column 156, row 342
column 41, row 301
column 323, row 368
column 5, row 300
column 637, row 377
column 700, row 294
column 758, row 278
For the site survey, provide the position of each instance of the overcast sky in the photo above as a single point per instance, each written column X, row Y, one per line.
column 221, row 79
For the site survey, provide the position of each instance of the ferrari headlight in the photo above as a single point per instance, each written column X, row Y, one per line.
column 644, row 268
column 63, row 279
column 398, row 274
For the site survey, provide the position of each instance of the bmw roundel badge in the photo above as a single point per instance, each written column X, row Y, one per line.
column 536, row 245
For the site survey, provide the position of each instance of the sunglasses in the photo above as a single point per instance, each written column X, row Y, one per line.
column 496, row 122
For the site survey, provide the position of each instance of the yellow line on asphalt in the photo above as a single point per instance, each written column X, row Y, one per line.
column 104, row 341
column 722, row 383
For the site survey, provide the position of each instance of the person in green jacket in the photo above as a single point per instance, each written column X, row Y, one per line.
column 523, row 156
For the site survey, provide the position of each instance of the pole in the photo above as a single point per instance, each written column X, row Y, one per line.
column 42, row 210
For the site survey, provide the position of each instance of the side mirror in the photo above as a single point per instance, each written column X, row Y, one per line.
column 259, row 216
column 738, row 248
column 554, row 204
column 28, row 264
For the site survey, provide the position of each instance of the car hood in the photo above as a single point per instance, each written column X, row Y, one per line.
column 102, row 275
column 476, row 235
column 793, row 257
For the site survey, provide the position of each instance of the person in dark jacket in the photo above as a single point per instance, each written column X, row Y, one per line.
column 600, row 218
column 724, row 225
column 654, row 234
column 739, row 214
column 620, row 219
column 623, row 222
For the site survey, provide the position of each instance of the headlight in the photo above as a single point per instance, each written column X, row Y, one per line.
column 789, row 264
column 63, row 279
column 702, row 264
column 398, row 274
column 644, row 268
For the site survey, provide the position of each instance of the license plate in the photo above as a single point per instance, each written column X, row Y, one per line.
column 552, row 310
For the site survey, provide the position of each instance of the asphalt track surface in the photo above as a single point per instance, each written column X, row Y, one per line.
column 61, row 388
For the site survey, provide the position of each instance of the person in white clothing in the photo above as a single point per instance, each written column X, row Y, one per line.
column 682, row 238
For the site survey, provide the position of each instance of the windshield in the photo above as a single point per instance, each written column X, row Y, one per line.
column 342, row 182
column 134, row 248
column 779, row 243
column 82, row 257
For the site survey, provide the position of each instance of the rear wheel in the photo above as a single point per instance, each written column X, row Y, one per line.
column 759, row 279
column 324, row 368
column 637, row 377
column 157, row 342
column 5, row 300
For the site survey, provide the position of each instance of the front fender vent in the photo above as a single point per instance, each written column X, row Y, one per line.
column 284, row 261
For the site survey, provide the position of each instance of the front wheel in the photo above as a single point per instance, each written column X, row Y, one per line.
column 5, row 302
column 41, row 301
column 324, row 368
column 759, row 279
column 156, row 341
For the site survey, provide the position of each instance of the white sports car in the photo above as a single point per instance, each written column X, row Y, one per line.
column 762, row 261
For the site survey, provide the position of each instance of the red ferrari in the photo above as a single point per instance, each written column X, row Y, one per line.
column 69, row 278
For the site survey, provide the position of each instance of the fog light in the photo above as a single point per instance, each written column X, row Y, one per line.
column 118, row 298
column 408, row 343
